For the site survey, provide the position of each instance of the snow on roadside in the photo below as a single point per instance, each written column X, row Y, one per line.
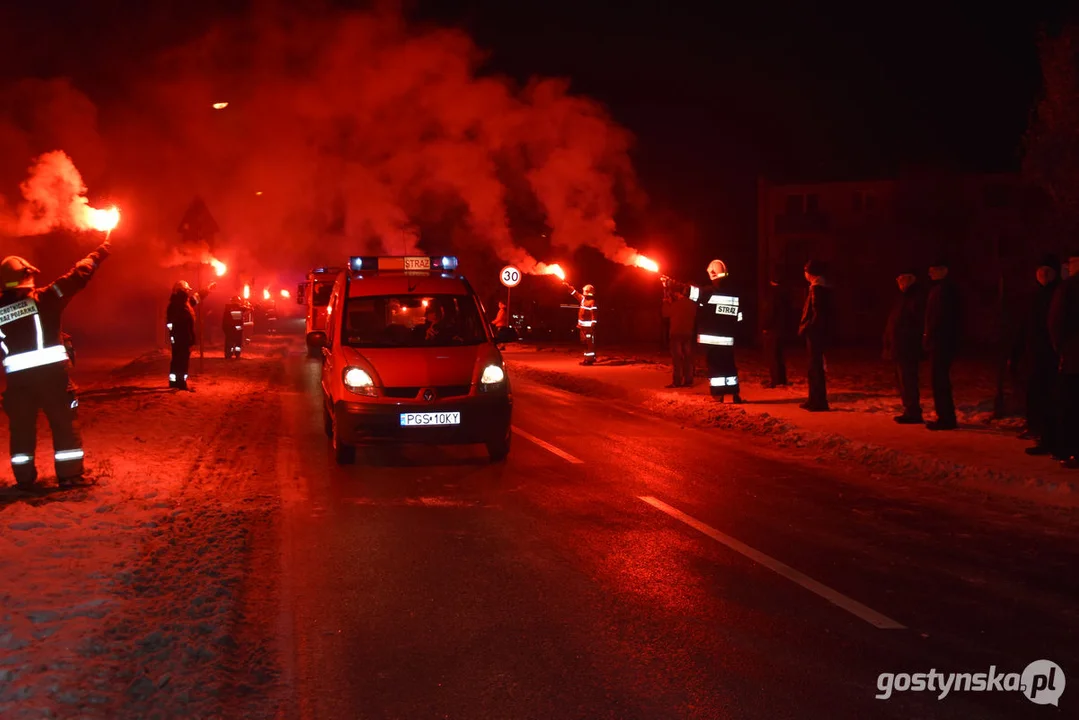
column 120, row 598
column 701, row 410
column 858, row 381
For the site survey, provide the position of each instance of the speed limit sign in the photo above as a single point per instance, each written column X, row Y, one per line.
column 510, row 276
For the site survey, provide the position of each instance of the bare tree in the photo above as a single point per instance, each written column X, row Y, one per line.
column 1051, row 144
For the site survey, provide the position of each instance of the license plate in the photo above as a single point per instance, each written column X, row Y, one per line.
column 429, row 419
column 417, row 263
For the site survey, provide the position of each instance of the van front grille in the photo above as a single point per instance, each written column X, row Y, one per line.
column 412, row 393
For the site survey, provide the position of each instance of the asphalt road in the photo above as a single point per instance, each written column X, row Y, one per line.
column 625, row 567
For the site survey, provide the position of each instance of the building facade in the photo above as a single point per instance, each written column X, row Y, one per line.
column 868, row 231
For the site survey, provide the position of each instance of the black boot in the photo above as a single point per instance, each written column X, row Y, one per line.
column 74, row 482
column 942, row 425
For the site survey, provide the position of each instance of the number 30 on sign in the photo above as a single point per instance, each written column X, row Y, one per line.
column 510, row 276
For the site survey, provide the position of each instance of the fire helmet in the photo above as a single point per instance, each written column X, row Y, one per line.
column 588, row 289
column 17, row 272
column 717, row 269
column 181, row 286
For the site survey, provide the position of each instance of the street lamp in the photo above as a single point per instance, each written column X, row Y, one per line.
column 220, row 105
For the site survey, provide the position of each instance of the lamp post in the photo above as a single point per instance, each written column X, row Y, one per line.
column 202, row 327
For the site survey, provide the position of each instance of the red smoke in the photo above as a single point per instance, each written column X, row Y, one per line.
column 363, row 120
column 53, row 198
column 344, row 133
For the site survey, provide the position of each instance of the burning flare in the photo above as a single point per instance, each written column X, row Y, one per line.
column 266, row 294
column 286, row 294
column 54, row 197
column 220, row 105
column 219, row 267
column 556, row 270
column 103, row 220
column 642, row 262
column 247, row 292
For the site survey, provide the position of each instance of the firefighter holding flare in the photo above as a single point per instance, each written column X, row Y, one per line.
column 718, row 318
column 586, row 320
column 36, row 362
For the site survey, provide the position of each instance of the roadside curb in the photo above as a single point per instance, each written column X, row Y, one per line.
column 878, row 459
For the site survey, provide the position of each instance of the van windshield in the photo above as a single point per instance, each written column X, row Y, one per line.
column 413, row 321
column 320, row 293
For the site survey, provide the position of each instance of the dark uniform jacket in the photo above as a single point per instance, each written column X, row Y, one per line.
column 180, row 317
column 1033, row 344
column 682, row 313
column 233, row 317
column 586, row 313
column 775, row 310
column 818, row 315
column 903, row 333
column 942, row 326
column 1064, row 324
column 30, row 318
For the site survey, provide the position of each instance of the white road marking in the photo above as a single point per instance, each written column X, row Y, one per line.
column 548, row 447
column 835, row 597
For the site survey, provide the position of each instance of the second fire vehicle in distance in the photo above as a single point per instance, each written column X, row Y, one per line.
column 314, row 294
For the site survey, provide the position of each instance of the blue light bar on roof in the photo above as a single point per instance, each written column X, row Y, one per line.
column 405, row 263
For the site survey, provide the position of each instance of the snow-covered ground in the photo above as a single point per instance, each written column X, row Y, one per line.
column 123, row 599
column 984, row 454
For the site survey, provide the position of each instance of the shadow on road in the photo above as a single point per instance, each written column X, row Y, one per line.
column 124, row 391
column 396, row 456
column 42, row 495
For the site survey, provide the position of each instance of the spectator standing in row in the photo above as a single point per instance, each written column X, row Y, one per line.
column 903, row 343
column 1033, row 351
column 941, row 342
column 682, row 314
column 1064, row 334
column 816, row 328
column 774, row 316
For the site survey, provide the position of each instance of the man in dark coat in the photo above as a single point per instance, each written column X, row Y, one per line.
column 816, row 327
column 903, row 343
column 1064, row 333
column 941, row 342
column 180, row 321
column 1033, row 351
column 774, row 331
column 682, row 314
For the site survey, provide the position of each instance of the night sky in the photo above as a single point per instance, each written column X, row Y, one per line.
column 714, row 94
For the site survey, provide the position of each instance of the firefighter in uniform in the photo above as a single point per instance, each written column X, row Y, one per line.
column 180, row 321
column 36, row 363
column 586, row 320
column 271, row 316
column 718, row 318
column 232, row 323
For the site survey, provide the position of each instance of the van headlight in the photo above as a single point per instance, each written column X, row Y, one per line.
column 359, row 382
column 493, row 377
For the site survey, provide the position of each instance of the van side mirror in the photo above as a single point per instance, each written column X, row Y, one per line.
column 506, row 335
column 301, row 294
